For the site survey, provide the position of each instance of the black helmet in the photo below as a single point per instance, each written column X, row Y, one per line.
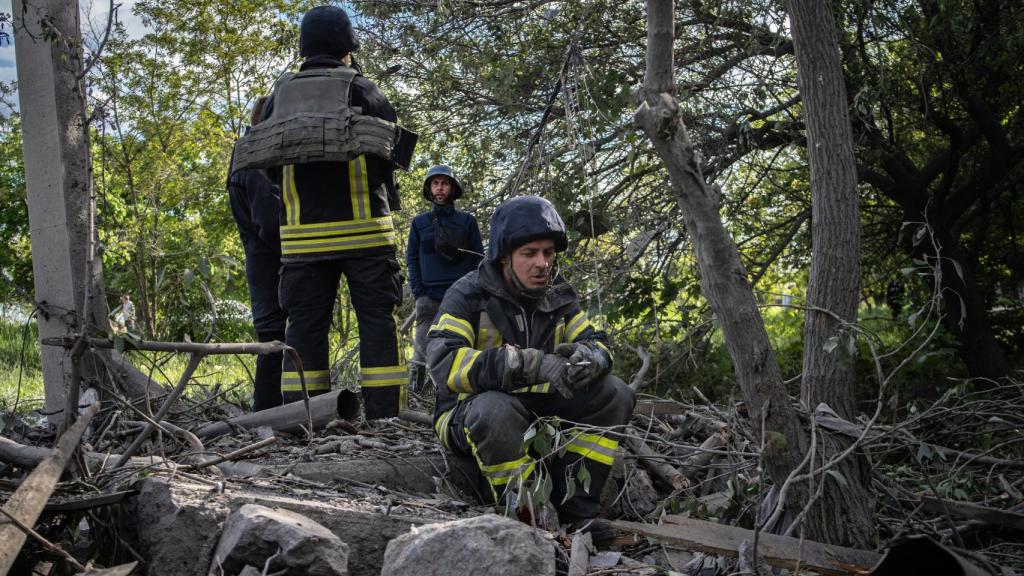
column 326, row 30
column 521, row 220
column 442, row 170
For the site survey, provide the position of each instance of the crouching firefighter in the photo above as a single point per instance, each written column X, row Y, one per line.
column 330, row 140
column 511, row 344
column 444, row 245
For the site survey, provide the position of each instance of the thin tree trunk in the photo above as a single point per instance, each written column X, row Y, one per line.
column 966, row 315
column 723, row 278
column 843, row 515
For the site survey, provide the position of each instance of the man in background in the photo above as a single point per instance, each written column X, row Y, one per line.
column 444, row 245
column 255, row 205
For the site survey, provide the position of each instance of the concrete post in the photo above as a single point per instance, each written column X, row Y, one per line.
column 56, row 176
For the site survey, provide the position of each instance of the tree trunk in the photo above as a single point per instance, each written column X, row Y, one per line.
column 966, row 315
column 843, row 515
column 723, row 278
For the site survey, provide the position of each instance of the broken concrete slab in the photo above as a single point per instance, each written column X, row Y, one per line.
column 176, row 525
column 284, row 541
column 418, row 474
column 177, row 533
column 487, row 545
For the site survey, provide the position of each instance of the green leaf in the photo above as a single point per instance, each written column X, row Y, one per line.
column 959, row 270
column 583, row 475
column 924, row 453
column 919, row 235
column 187, row 277
column 570, row 490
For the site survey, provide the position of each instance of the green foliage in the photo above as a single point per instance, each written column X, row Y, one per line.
column 15, row 260
column 534, row 98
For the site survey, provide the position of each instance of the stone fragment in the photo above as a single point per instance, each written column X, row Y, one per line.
column 488, row 545
column 292, row 542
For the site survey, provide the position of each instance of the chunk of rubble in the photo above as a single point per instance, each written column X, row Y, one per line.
column 487, row 545
column 176, row 525
column 291, row 542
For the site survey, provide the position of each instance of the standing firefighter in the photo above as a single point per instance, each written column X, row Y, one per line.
column 444, row 245
column 511, row 345
column 330, row 139
column 255, row 205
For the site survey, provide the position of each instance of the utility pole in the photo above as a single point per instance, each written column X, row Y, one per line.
column 50, row 92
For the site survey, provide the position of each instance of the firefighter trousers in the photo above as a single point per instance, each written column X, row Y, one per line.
column 307, row 294
column 490, row 427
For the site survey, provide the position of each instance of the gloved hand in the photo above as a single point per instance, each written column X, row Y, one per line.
column 533, row 366
column 554, row 370
column 585, row 364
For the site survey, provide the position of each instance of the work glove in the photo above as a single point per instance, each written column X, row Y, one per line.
column 584, row 362
column 533, row 366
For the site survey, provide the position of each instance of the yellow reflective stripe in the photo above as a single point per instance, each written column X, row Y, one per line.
column 504, row 472
column 594, row 447
column 441, row 427
column 315, row 380
column 359, row 185
column 479, row 462
column 559, row 332
column 536, row 388
column 455, row 324
column 292, row 207
column 576, row 326
column 458, row 374
column 338, row 244
column 489, row 336
column 381, row 376
column 602, row 347
column 341, row 227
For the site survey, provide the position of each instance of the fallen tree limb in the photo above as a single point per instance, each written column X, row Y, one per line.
column 28, row 500
column 29, row 456
column 645, row 365
column 696, row 462
column 287, row 418
column 196, row 353
column 781, row 551
column 656, row 465
column 231, row 456
column 659, row 407
column 981, row 514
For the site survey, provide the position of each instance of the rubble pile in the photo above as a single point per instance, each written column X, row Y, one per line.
column 264, row 495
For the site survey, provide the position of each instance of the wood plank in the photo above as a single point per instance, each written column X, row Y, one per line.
column 782, row 551
column 984, row 514
column 28, row 501
column 88, row 502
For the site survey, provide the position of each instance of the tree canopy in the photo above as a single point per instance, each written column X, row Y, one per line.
column 535, row 98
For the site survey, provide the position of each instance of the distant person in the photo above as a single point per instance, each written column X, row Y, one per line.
column 329, row 139
column 128, row 313
column 511, row 344
column 444, row 245
column 255, row 203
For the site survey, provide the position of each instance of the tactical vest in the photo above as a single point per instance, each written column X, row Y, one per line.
column 312, row 121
